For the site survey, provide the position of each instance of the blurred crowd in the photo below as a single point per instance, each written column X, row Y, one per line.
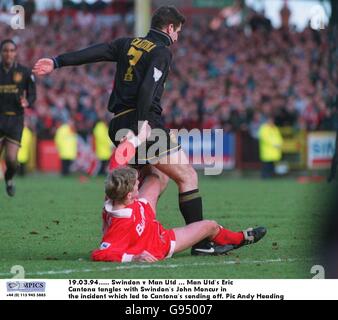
column 231, row 78
column 235, row 77
column 78, row 94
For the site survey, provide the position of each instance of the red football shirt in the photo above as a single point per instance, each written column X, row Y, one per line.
column 131, row 231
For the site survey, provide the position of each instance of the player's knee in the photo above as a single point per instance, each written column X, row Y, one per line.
column 211, row 226
column 214, row 226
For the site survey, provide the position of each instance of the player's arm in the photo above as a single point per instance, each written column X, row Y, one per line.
column 31, row 90
column 126, row 150
column 159, row 63
column 28, row 97
column 145, row 256
column 116, row 242
column 97, row 53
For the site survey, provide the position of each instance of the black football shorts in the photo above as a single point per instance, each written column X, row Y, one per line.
column 11, row 127
column 160, row 144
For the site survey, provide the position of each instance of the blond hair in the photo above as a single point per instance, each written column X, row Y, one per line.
column 120, row 182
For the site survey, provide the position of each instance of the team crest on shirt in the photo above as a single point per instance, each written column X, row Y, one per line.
column 104, row 245
column 17, row 77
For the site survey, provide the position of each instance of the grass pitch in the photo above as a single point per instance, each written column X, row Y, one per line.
column 52, row 225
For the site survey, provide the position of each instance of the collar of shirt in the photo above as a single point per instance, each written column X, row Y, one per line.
column 14, row 65
column 161, row 36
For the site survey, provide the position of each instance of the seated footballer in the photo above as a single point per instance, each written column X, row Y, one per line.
column 132, row 233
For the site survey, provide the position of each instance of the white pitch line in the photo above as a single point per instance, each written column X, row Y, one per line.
column 158, row 266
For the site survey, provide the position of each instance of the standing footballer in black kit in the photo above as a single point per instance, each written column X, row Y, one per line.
column 143, row 66
column 334, row 163
column 17, row 92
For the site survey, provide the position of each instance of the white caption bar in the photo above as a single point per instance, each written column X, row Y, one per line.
column 15, row 289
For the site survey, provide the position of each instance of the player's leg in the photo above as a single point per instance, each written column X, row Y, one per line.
column 176, row 166
column 11, row 155
column 334, row 163
column 2, row 147
column 153, row 184
column 188, row 236
column 13, row 135
column 2, row 134
column 173, row 163
column 147, row 170
column 225, row 240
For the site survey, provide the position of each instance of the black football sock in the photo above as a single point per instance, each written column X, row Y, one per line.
column 10, row 172
column 192, row 209
column 191, row 206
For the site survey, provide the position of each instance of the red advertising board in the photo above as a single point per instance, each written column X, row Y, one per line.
column 48, row 157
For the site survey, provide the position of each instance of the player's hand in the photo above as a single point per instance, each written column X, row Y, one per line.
column 144, row 134
column 145, row 256
column 43, row 67
column 23, row 101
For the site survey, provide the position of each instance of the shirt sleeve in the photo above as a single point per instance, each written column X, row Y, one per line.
column 157, row 70
column 31, row 89
column 97, row 53
column 112, row 256
column 115, row 243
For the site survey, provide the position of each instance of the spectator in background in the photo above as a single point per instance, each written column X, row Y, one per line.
column 270, row 147
column 103, row 145
column 66, row 143
column 6, row 4
column 258, row 21
column 255, row 124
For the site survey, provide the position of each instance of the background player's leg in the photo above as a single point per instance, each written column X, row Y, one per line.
column 188, row 236
column 334, row 163
column 2, row 145
column 153, row 185
column 12, row 150
column 11, row 157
